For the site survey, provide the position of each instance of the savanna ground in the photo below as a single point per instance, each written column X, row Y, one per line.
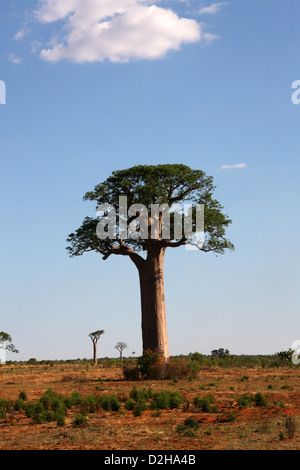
column 218, row 408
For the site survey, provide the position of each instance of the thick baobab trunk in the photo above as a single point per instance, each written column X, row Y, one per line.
column 95, row 352
column 154, row 326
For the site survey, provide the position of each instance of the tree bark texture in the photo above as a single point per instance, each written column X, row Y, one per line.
column 154, row 325
column 95, row 352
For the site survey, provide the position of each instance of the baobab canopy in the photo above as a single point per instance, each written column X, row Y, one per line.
column 144, row 186
column 148, row 185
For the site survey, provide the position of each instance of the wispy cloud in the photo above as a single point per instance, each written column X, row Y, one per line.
column 213, row 9
column 21, row 34
column 233, row 167
column 116, row 30
column 15, row 59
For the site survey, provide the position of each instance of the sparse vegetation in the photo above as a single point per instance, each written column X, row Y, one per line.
column 229, row 407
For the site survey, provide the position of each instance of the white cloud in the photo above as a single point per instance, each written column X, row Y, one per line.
column 213, row 9
column 233, row 167
column 115, row 30
column 20, row 34
column 15, row 59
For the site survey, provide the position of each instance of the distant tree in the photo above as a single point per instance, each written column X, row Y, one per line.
column 5, row 338
column 95, row 337
column 221, row 353
column 120, row 347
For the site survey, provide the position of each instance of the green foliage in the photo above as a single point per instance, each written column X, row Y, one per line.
column 74, row 399
column 147, row 361
column 80, row 421
column 165, row 400
column 23, row 396
column 48, row 408
column 196, row 356
column 153, row 184
column 89, row 404
column 260, row 399
column 129, row 404
column 5, row 406
column 144, row 394
column 19, row 404
column 245, row 400
column 6, row 342
column 191, row 423
column 110, row 403
column 203, row 403
column 188, row 428
column 220, row 353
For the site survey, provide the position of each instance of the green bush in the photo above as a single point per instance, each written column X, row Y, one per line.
column 245, row 400
column 5, row 406
column 75, row 399
column 46, row 409
column 260, row 399
column 147, row 361
column 19, row 404
column 188, row 428
column 110, row 403
column 129, row 404
column 203, row 403
column 89, row 404
column 138, row 394
column 60, row 420
column 165, row 400
column 80, row 420
column 23, row 396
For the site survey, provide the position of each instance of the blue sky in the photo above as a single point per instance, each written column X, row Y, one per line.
column 202, row 83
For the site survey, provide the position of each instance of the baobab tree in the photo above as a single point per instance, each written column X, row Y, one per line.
column 152, row 192
column 95, row 338
column 120, row 346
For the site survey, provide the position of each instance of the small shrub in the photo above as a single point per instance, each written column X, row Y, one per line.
column 139, row 407
column 89, row 404
column 60, row 420
column 260, row 399
column 244, row 401
column 110, row 403
column 115, row 403
column 188, row 428
column 80, row 421
column 129, row 404
column 19, row 404
column 23, row 396
column 5, row 406
column 147, row 361
column 191, row 423
column 203, row 403
column 75, row 399
column 165, row 400
column 131, row 373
